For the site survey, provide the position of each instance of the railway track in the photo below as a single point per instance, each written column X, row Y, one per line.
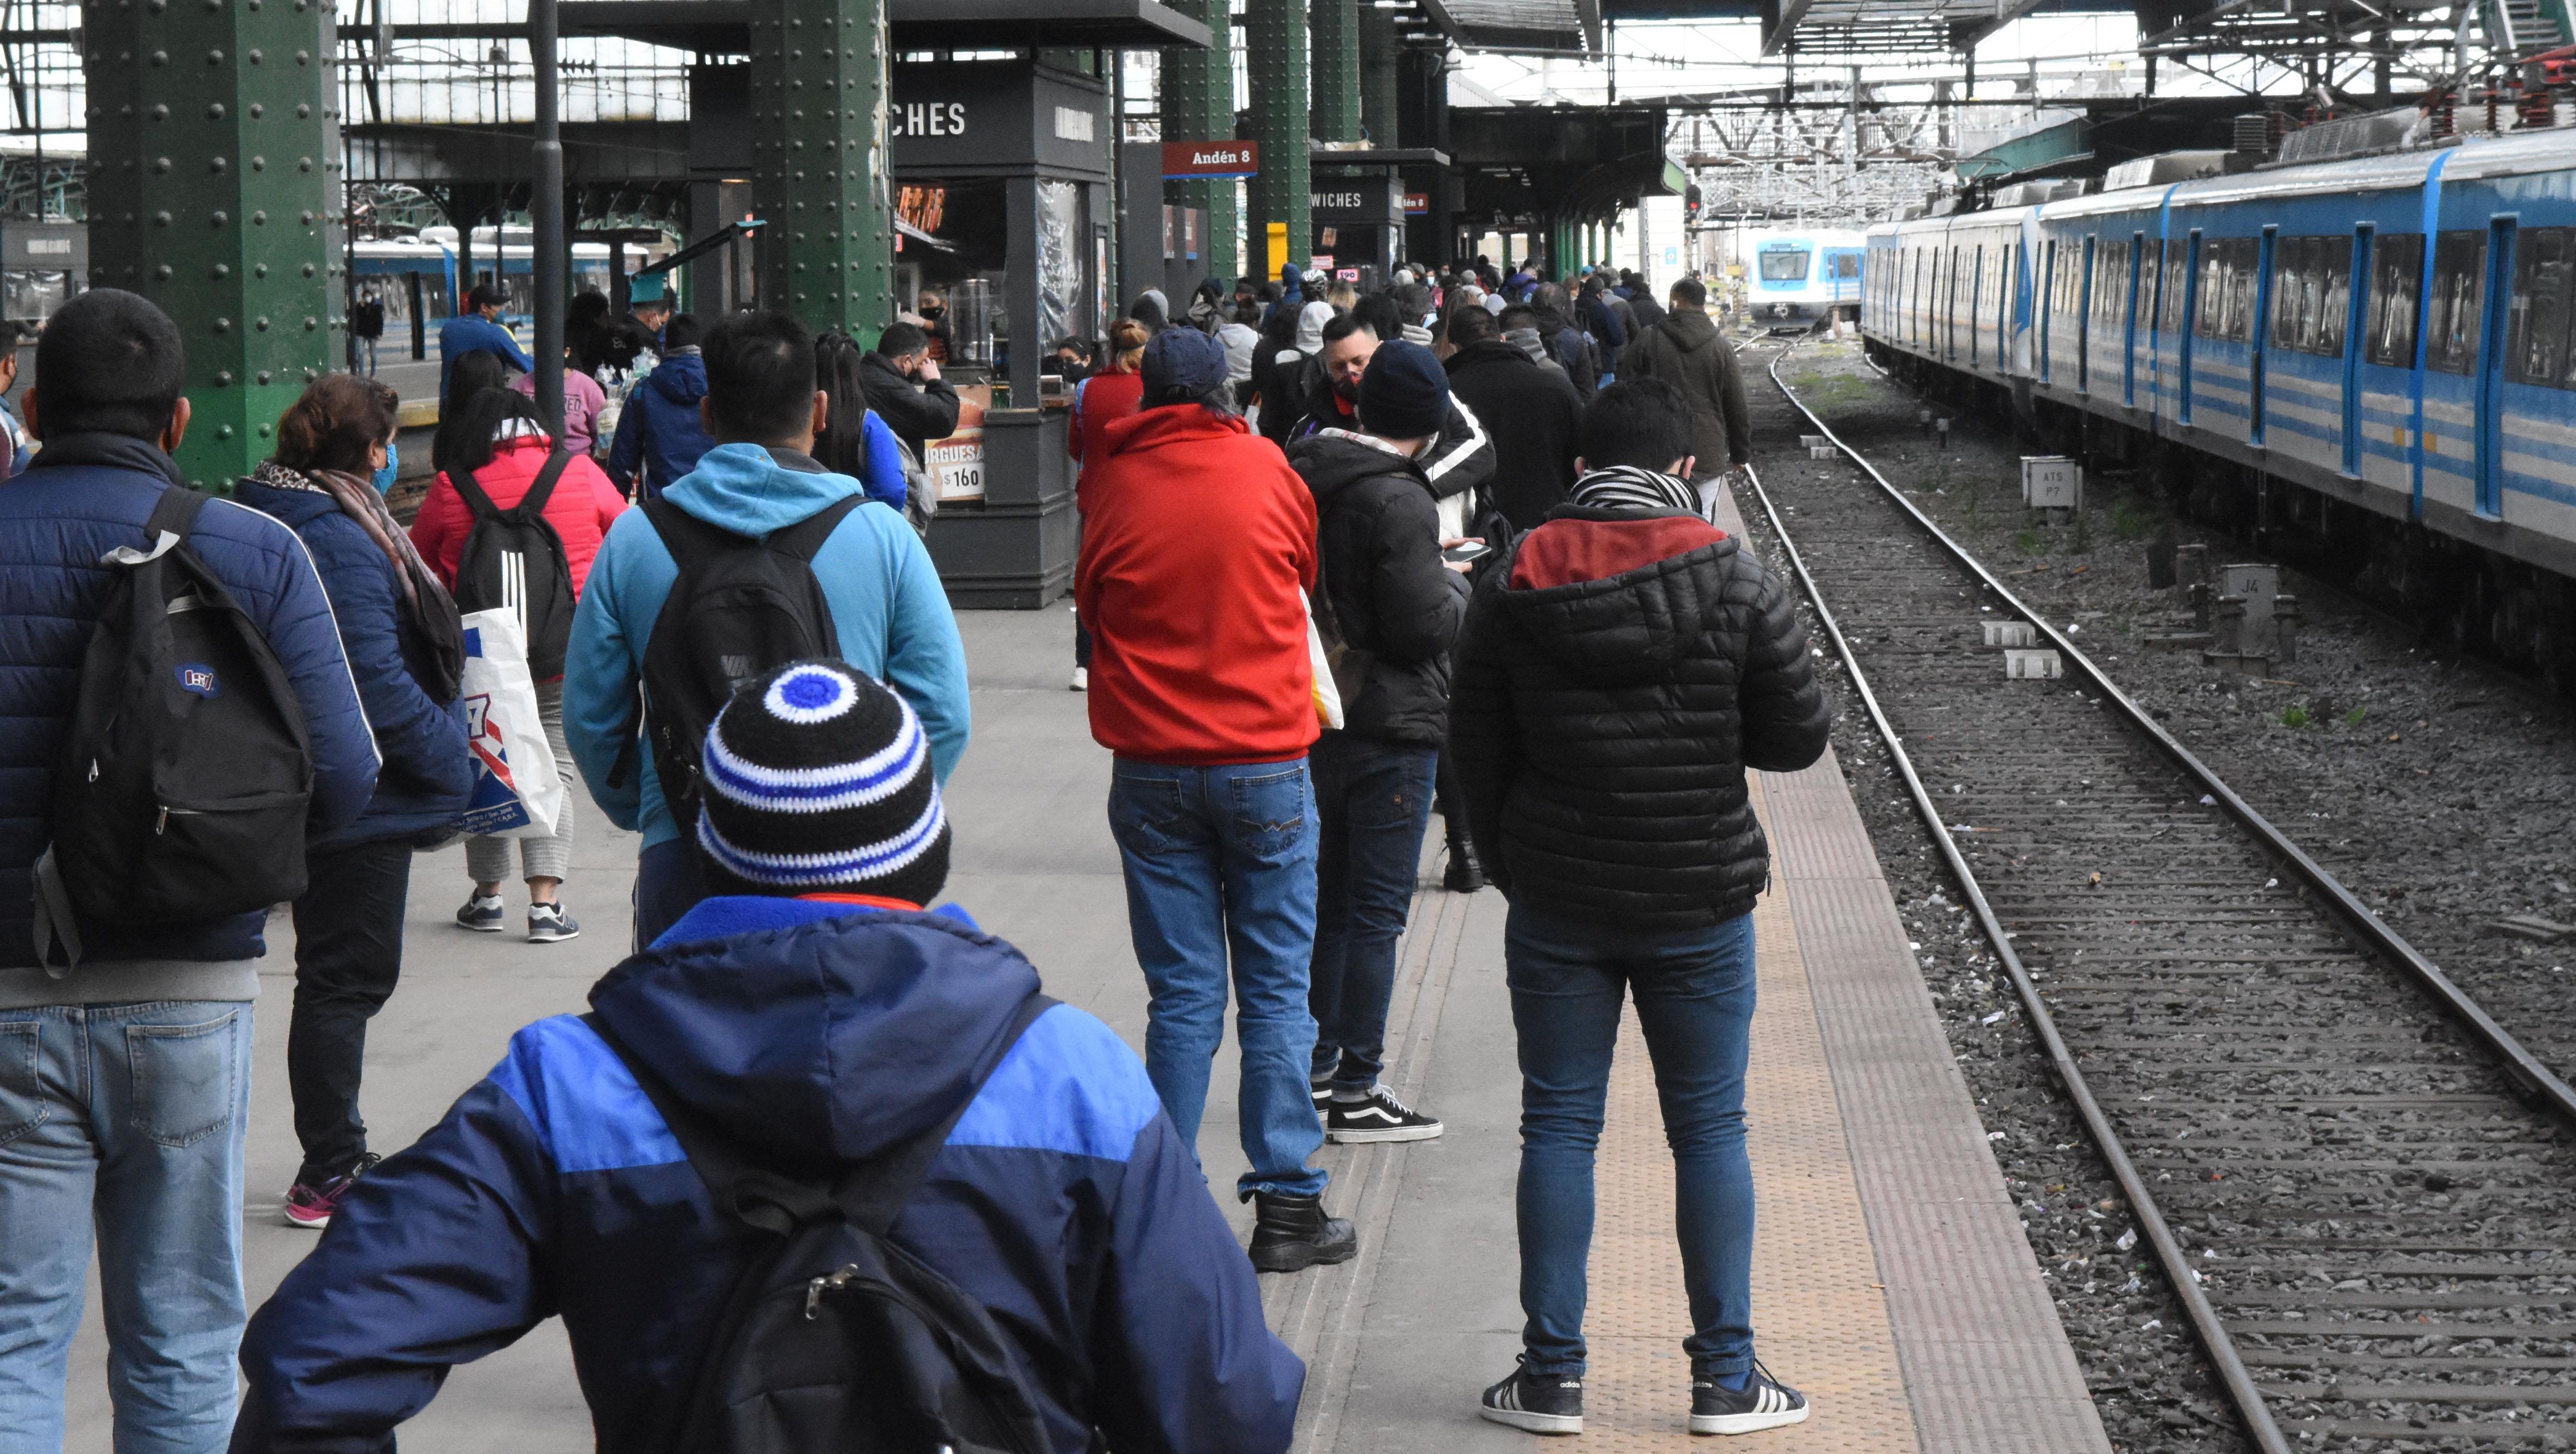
column 2357, row 1185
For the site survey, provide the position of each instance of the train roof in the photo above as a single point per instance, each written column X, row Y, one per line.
column 2470, row 159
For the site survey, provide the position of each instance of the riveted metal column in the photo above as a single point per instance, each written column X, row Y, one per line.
column 1336, row 80
column 818, row 87
column 1379, row 49
column 214, row 190
column 1198, row 105
column 1277, row 47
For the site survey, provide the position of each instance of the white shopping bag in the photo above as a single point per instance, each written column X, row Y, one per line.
column 518, row 792
column 1327, row 692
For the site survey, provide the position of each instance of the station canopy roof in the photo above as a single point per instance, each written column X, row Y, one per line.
column 1527, row 27
column 725, row 25
column 1849, row 31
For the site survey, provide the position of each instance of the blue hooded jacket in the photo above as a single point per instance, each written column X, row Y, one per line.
column 428, row 774
column 888, row 609
column 1064, row 1201
column 85, row 495
column 659, row 430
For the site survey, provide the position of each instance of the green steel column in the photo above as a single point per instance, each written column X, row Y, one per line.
column 818, row 161
column 1277, row 46
column 1198, row 105
column 1336, row 70
column 1379, row 50
column 214, row 191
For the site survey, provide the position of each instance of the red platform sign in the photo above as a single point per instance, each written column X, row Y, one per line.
column 1211, row 158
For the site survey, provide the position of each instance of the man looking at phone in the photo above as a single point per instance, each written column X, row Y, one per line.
column 1389, row 606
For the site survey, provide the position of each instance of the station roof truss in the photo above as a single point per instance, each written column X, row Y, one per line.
column 1862, row 29
column 2335, row 42
column 1833, row 152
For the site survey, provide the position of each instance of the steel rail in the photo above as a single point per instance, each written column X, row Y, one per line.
column 2528, row 1073
column 2143, row 1209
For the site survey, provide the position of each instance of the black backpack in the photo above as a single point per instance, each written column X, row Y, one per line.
column 740, row 606
column 513, row 560
column 186, row 768
column 835, row 1339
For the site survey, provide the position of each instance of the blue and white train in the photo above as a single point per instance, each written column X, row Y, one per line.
column 2389, row 335
column 1795, row 278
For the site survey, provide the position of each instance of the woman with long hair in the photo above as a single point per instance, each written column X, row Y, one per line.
column 496, row 439
column 399, row 630
column 855, row 442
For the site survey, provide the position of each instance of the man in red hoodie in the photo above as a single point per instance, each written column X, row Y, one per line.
column 1198, row 546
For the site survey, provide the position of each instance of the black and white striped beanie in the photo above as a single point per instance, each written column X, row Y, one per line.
column 818, row 778
column 1632, row 487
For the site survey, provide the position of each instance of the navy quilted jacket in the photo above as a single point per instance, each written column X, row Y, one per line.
column 85, row 495
column 428, row 775
column 1063, row 1200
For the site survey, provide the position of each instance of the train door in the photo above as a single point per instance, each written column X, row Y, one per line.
column 2355, row 335
column 2045, row 300
column 1976, row 300
column 2129, row 321
column 2190, row 328
column 2083, row 315
column 2490, row 389
column 2254, row 355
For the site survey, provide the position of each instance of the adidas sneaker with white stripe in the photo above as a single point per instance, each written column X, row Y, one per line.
column 1763, row 1403
column 1539, row 1404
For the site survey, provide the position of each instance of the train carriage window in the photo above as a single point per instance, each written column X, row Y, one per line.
column 2213, row 290
column 2177, row 283
column 2536, row 347
column 2397, row 267
column 1785, row 265
column 2335, row 297
column 2459, row 288
column 2242, row 265
column 2293, row 313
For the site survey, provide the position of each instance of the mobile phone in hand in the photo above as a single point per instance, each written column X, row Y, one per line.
column 1461, row 554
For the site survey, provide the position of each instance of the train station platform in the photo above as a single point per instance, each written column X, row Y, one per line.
column 1891, row 1279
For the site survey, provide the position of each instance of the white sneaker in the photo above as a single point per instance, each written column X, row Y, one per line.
column 1081, row 679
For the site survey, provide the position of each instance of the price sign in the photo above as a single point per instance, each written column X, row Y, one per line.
column 956, row 466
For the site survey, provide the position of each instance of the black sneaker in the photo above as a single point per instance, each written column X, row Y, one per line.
column 1763, row 1403
column 1379, row 1118
column 1323, row 1093
column 1539, row 1404
column 1291, row 1234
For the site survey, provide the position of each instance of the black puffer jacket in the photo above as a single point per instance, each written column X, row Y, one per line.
column 1384, row 588
column 1618, row 674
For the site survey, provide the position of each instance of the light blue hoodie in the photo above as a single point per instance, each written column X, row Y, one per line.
column 887, row 606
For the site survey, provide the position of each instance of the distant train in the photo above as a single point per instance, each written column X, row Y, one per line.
column 1791, row 279
column 2388, row 333
column 404, row 273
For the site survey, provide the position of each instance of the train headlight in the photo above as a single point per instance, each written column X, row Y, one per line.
column 1779, row 310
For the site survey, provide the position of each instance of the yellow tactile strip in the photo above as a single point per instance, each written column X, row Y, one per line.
column 1819, row 1316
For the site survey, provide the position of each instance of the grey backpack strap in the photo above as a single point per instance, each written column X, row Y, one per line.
column 54, row 920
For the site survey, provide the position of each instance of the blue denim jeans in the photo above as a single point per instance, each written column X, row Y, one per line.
column 1220, row 866
column 1694, row 993
column 1374, row 800
column 127, row 1120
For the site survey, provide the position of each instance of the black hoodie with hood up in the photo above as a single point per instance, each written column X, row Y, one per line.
column 1395, row 605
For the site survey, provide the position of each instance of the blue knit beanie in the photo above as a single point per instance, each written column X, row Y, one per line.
column 818, row 778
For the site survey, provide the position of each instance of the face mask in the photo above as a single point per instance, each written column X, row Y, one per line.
column 384, row 480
